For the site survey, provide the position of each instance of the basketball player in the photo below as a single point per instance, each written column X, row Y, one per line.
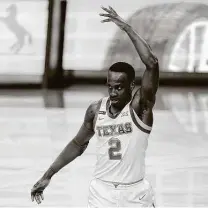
column 122, row 123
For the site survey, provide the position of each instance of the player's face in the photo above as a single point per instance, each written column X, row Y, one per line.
column 119, row 88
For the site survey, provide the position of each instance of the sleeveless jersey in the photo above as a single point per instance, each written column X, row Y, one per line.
column 121, row 145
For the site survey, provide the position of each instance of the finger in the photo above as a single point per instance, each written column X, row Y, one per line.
column 105, row 9
column 106, row 20
column 37, row 198
column 112, row 10
column 32, row 197
column 33, row 193
column 105, row 15
column 42, row 197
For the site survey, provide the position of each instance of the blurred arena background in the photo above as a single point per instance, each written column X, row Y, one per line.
column 54, row 56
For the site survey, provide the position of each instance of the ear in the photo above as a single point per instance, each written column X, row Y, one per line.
column 132, row 85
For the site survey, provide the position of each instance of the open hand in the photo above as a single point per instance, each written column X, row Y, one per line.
column 37, row 190
column 112, row 16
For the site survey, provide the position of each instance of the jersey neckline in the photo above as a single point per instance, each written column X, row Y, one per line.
column 107, row 106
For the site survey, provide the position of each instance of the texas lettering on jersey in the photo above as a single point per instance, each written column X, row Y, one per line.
column 112, row 130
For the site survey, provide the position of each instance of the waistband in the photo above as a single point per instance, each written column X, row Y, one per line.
column 120, row 184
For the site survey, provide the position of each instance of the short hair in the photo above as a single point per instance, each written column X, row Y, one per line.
column 124, row 67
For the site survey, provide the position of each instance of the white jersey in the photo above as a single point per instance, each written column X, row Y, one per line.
column 121, row 145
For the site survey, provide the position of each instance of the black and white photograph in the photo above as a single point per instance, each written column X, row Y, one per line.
column 103, row 103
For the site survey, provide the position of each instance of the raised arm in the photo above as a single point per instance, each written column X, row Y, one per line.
column 73, row 149
column 144, row 98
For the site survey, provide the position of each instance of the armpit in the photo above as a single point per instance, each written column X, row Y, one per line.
column 141, row 103
column 91, row 114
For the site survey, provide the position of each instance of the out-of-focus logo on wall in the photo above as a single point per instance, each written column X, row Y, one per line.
column 23, row 26
column 21, row 34
column 189, row 108
column 177, row 33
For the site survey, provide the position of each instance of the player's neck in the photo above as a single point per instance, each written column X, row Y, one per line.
column 114, row 110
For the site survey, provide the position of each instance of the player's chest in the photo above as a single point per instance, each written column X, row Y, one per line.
column 106, row 126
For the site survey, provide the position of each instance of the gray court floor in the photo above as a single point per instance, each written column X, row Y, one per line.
column 36, row 125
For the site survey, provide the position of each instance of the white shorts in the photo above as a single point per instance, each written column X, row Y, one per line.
column 106, row 194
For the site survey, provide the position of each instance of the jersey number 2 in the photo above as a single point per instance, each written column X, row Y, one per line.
column 114, row 149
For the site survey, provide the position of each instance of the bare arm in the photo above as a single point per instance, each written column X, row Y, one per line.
column 74, row 149
column 77, row 145
column 144, row 98
column 141, row 46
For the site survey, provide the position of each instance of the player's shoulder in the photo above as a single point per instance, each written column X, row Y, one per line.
column 93, row 108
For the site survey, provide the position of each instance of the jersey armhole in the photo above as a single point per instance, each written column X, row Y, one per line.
column 97, row 112
column 138, row 122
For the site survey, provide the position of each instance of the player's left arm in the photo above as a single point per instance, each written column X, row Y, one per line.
column 144, row 98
